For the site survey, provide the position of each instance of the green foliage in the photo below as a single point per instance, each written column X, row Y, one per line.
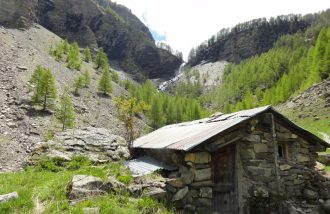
column 105, row 83
column 77, row 162
column 272, row 77
column 78, row 84
column 114, row 76
column 101, row 60
column 125, row 179
column 88, row 56
column 72, row 54
column 45, row 88
column 166, row 109
column 73, row 57
column 65, row 113
column 35, row 77
column 87, row 78
column 127, row 109
column 50, row 164
column 157, row 115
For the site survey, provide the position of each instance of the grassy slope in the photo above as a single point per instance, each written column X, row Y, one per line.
column 39, row 187
column 309, row 110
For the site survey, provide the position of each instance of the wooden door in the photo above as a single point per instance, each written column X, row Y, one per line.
column 224, row 190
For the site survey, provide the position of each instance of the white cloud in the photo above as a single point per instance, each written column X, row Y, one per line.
column 187, row 23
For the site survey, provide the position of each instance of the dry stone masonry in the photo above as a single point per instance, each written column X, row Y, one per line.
column 258, row 175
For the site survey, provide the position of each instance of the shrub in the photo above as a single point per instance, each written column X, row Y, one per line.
column 77, row 162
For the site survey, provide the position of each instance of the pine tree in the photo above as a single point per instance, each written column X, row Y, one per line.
column 78, row 85
column 36, row 76
column 170, row 112
column 45, row 91
column 88, row 56
column 65, row 113
column 156, row 114
column 73, row 59
column 101, row 60
column 87, row 78
column 105, row 84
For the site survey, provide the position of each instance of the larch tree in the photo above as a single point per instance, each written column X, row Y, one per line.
column 66, row 114
column 45, row 91
column 105, row 83
column 88, row 56
column 87, row 78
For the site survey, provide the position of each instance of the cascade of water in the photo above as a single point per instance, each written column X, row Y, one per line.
column 181, row 69
column 178, row 73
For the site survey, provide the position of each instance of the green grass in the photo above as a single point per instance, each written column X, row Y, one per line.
column 322, row 125
column 47, row 182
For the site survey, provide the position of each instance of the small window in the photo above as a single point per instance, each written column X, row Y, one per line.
column 281, row 151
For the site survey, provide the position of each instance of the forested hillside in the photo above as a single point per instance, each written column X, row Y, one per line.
column 294, row 64
column 250, row 38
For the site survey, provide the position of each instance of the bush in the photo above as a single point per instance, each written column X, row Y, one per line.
column 126, row 179
column 77, row 162
column 55, row 164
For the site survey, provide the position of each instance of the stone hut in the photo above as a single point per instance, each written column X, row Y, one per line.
column 229, row 163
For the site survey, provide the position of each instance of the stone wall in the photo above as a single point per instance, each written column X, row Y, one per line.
column 257, row 169
column 191, row 184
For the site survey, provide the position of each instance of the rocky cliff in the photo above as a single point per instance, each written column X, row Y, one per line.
column 96, row 23
column 17, row 13
column 247, row 39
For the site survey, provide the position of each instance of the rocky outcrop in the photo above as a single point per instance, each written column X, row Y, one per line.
column 110, row 26
column 98, row 144
column 8, row 197
column 85, row 186
column 100, row 23
column 17, row 13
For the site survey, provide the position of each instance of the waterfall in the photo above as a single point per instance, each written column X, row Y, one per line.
column 180, row 70
column 162, row 86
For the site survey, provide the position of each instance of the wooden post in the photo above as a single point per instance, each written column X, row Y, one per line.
column 278, row 181
column 275, row 154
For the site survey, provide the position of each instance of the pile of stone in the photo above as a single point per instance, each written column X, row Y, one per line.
column 191, row 184
column 98, row 144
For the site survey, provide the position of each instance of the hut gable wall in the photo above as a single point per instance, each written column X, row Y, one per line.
column 257, row 168
column 192, row 185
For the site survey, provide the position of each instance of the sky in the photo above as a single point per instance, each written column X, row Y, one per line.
column 184, row 24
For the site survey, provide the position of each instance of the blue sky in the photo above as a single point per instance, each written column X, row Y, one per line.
column 184, row 24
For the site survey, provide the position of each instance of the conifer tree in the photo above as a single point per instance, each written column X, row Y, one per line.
column 78, row 85
column 36, row 76
column 87, row 78
column 105, row 83
column 65, row 113
column 88, row 56
column 170, row 112
column 157, row 114
column 45, row 90
column 101, row 60
column 73, row 59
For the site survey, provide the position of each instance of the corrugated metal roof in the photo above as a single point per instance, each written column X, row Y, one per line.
column 146, row 165
column 185, row 136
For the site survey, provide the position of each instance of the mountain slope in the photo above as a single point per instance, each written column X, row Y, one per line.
column 311, row 109
column 21, row 125
column 251, row 38
column 98, row 23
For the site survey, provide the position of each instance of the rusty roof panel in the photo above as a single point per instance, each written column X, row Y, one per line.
column 184, row 136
